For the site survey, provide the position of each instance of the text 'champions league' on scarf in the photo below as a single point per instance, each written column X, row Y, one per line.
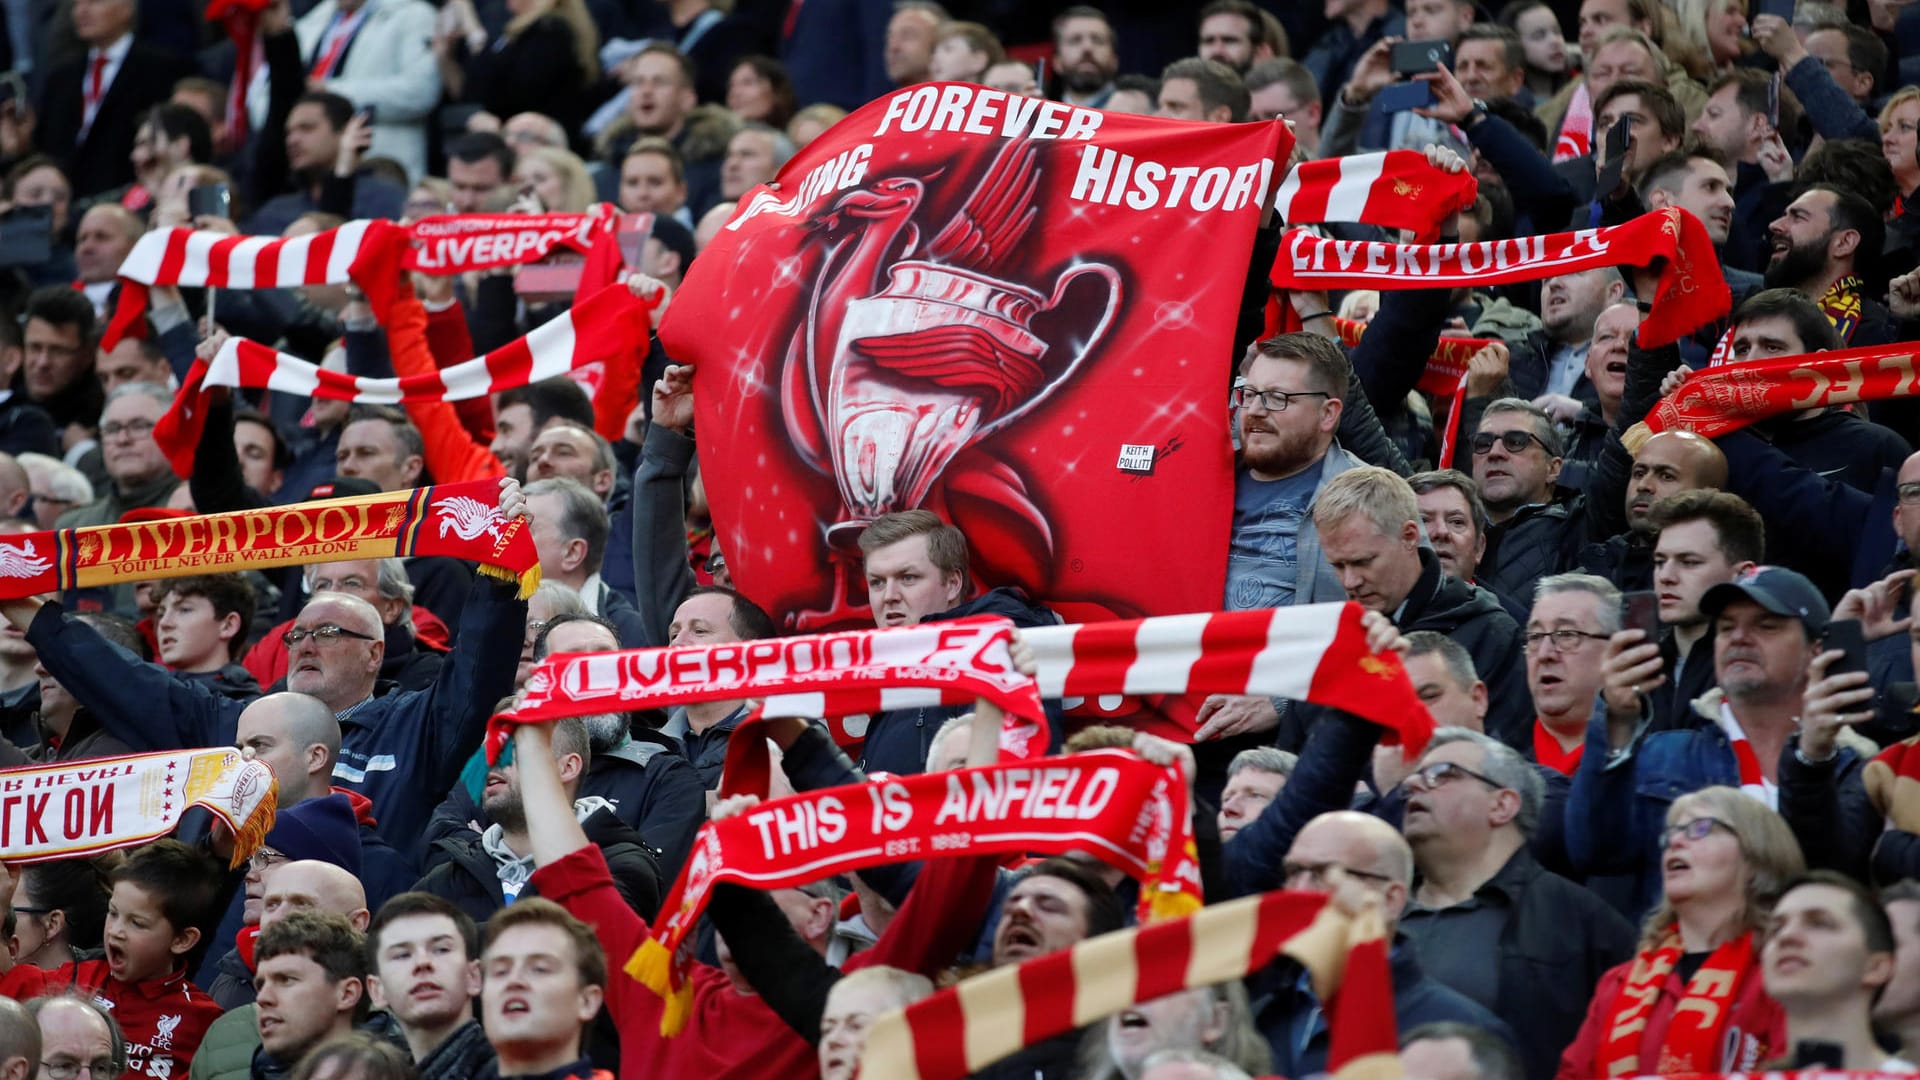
column 1015, row 313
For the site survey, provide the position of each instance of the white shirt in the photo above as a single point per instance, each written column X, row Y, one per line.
column 116, row 55
column 590, row 593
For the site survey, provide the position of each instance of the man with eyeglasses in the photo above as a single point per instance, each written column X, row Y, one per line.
column 1487, row 918
column 1334, row 848
column 137, row 468
column 1767, row 625
column 77, row 1038
column 1573, row 618
column 402, row 751
column 1537, row 529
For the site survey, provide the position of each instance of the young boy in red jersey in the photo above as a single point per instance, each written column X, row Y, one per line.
column 161, row 896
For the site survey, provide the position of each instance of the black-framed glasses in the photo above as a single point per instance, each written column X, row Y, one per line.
column 1695, row 831
column 266, row 859
column 1442, row 773
column 1514, row 441
column 136, row 428
column 322, row 634
column 1318, row 873
column 66, row 1069
column 18, row 910
column 1565, row 641
column 1273, row 401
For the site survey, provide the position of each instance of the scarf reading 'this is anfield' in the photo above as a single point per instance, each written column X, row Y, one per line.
column 74, row 809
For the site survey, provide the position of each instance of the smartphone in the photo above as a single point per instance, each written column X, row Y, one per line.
column 1399, row 97
column 26, row 236
column 1845, row 635
column 1613, row 157
column 1641, row 611
column 1773, row 101
column 1420, row 57
column 1782, row 8
column 210, row 200
column 372, row 113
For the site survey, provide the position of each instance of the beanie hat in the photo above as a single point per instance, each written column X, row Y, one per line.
column 324, row 829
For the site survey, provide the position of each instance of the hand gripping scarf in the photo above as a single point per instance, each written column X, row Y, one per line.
column 366, row 253
column 1715, row 400
column 967, row 1027
column 609, row 326
column 1397, row 189
column 1691, row 292
column 460, row 520
column 1129, row 812
column 75, row 809
column 1694, row 1035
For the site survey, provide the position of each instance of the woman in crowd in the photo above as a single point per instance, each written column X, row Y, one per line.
column 1692, row 1000
column 1899, row 120
column 59, row 909
column 758, row 89
column 545, row 61
column 557, row 178
column 1543, row 42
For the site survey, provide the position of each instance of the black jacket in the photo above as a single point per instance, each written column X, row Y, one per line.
column 707, row 750
column 464, row 874
column 1475, row 618
column 1558, row 940
column 899, row 741
column 1536, row 541
column 100, row 161
column 465, row 1054
column 25, row 428
column 655, row 790
column 1837, row 444
column 1626, row 560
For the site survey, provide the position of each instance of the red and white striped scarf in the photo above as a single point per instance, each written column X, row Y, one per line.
column 1396, row 189
column 611, row 325
column 1752, row 780
column 966, row 1028
column 366, row 253
column 1313, row 652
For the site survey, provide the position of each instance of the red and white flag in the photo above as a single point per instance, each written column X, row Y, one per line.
column 1396, row 189
column 611, row 325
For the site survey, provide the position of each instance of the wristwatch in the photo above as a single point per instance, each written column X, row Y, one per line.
column 1477, row 114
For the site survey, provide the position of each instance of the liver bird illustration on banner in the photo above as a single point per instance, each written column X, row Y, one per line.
column 468, row 518
column 913, row 352
column 22, row 561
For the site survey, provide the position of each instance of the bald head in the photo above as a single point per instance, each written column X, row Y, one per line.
column 1669, row 463
column 1374, row 850
column 346, row 610
column 19, row 1041
column 297, row 737
column 311, row 885
column 15, row 486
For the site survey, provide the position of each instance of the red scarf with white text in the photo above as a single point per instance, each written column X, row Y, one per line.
column 366, row 253
column 1713, row 401
column 1691, row 292
column 1130, row 813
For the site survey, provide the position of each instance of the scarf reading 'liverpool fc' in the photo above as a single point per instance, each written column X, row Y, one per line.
column 1691, row 292
column 1713, row 401
column 460, row 520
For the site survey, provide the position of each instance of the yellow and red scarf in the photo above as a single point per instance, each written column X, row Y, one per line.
column 1695, row 1033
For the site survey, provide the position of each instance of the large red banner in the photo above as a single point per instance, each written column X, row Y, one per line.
column 1013, row 312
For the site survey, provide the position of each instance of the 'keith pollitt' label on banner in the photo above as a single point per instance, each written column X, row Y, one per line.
column 1135, row 458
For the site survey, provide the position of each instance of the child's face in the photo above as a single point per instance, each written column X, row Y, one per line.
column 140, row 942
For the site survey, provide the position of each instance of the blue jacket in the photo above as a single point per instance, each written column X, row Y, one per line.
column 1296, row 1026
column 402, row 751
column 1618, row 808
column 1338, row 753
